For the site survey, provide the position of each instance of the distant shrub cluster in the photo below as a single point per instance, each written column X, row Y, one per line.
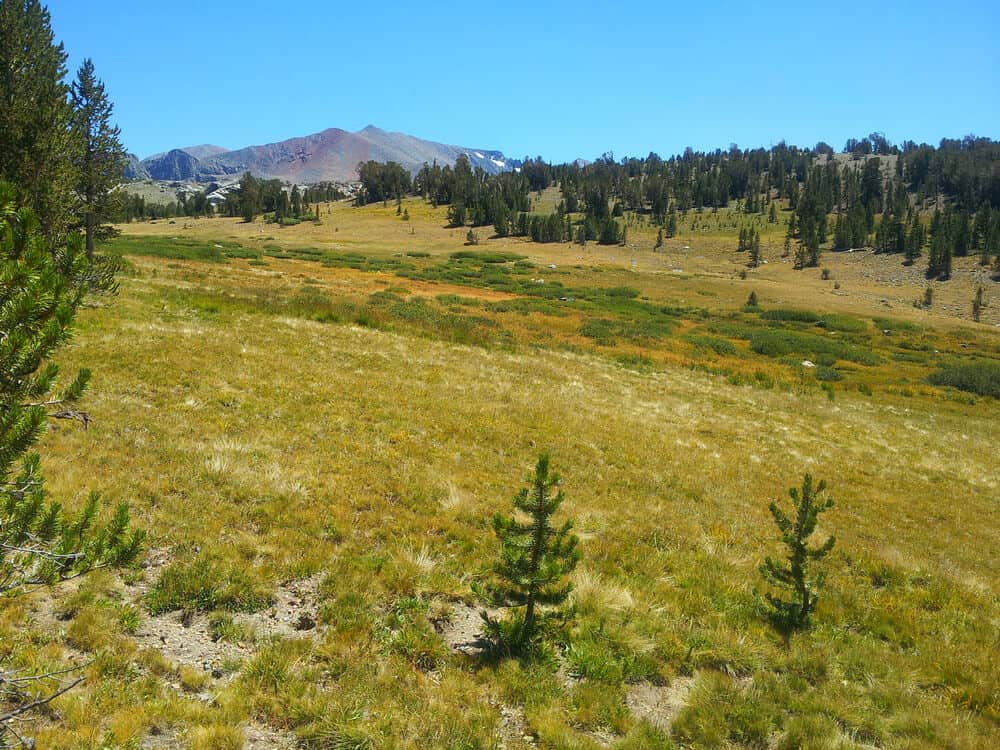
column 981, row 378
column 800, row 316
column 780, row 343
column 494, row 256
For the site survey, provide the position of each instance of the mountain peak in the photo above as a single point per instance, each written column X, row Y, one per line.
column 330, row 155
column 204, row 150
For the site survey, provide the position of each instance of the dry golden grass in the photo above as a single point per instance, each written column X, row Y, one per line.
column 698, row 266
column 272, row 445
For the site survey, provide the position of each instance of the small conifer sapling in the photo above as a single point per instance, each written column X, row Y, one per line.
column 793, row 574
column 535, row 558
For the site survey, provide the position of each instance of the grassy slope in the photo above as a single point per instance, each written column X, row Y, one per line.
column 271, row 446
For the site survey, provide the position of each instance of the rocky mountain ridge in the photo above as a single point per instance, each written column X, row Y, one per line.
column 331, row 155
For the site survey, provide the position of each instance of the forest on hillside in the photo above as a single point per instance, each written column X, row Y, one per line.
column 913, row 200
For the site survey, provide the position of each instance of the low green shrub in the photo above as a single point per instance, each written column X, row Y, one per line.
column 780, row 343
column 981, row 378
column 828, row 374
column 722, row 347
column 893, row 325
column 799, row 316
column 487, row 256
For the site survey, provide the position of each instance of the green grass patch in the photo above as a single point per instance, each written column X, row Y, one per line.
column 526, row 305
column 798, row 316
column 487, row 256
column 456, row 299
column 981, row 378
column 722, row 347
column 894, row 324
column 180, row 248
column 360, row 262
column 718, row 714
column 843, row 323
column 828, row 374
column 205, row 585
column 600, row 330
column 781, row 343
column 832, row 321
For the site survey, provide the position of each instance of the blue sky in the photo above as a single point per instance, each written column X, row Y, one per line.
column 559, row 79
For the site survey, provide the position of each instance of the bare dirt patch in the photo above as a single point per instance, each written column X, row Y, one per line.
column 255, row 737
column 189, row 640
column 259, row 737
column 159, row 739
column 513, row 730
column 659, row 704
column 462, row 629
column 293, row 614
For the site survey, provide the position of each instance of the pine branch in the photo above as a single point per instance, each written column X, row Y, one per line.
column 5, row 718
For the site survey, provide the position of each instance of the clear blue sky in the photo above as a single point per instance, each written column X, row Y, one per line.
column 560, row 79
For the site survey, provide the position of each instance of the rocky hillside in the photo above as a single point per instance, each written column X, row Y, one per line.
column 330, row 155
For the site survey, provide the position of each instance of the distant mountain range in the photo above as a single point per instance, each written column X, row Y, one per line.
column 332, row 155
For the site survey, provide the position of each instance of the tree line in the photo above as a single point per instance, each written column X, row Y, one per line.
column 256, row 198
column 879, row 197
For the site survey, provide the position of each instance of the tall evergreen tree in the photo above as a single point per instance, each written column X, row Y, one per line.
column 940, row 254
column 100, row 157
column 36, row 138
column 914, row 240
column 249, row 197
column 755, row 250
column 981, row 234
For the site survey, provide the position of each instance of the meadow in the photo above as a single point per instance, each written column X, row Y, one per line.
column 315, row 424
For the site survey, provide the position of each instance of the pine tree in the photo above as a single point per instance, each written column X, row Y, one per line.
column 914, row 241
column 978, row 304
column 981, row 234
column 100, row 158
column 249, row 197
column 801, row 257
column 794, row 575
column 535, row 558
column 755, row 250
column 939, row 257
column 36, row 140
column 39, row 543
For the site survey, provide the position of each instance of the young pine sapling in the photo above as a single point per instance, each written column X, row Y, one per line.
column 535, row 558
column 793, row 574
